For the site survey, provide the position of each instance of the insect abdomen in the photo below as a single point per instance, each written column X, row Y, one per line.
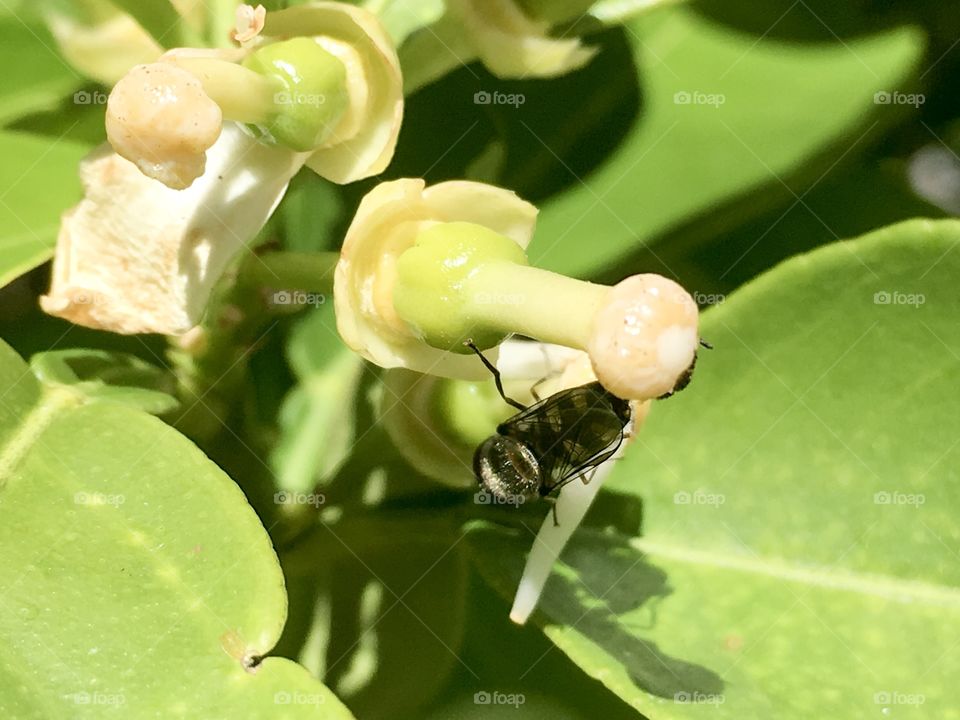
column 507, row 468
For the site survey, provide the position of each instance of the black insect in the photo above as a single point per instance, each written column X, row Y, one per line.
column 543, row 447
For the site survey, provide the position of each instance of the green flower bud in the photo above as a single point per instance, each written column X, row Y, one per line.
column 422, row 426
column 471, row 410
column 433, row 294
column 311, row 95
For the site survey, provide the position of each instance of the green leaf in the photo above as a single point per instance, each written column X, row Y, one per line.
column 80, row 123
column 317, row 420
column 847, row 203
column 104, row 375
column 731, row 123
column 798, row 556
column 36, row 77
column 377, row 608
column 135, row 575
column 39, row 180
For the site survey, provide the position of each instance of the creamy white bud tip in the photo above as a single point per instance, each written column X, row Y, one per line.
column 160, row 119
column 644, row 337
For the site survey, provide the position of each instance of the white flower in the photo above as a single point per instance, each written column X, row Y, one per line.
column 150, row 253
column 387, row 222
column 363, row 144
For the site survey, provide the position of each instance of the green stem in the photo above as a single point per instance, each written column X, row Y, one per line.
column 304, row 271
column 89, row 12
column 212, row 374
column 221, row 19
column 537, row 303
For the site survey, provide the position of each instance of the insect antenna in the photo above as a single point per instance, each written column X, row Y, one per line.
column 496, row 376
column 704, row 344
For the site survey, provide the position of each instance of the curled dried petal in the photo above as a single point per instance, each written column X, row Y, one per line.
column 136, row 256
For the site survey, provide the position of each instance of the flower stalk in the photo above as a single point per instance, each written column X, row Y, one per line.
column 284, row 270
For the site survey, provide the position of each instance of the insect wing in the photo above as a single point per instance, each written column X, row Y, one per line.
column 569, row 432
column 594, row 438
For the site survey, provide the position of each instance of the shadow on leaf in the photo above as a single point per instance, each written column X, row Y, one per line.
column 606, row 591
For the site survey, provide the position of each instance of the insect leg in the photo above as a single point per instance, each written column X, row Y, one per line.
column 595, row 464
column 705, row 344
column 538, row 383
column 496, row 376
column 550, row 373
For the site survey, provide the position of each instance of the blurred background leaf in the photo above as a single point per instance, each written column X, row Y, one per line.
column 37, row 77
column 317, row 424
column 38, row 181
column 730, row 125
